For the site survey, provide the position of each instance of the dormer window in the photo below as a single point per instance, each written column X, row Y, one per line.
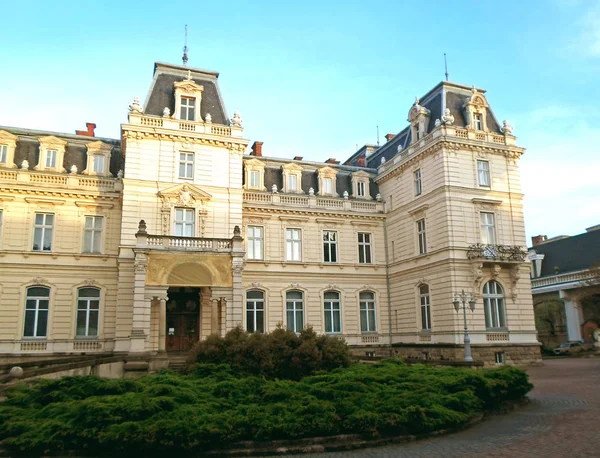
column 292, row 177
column 477, row 121
column 98, row 158
column 8, row 144
column 360, row 189
column 292, row 183
column 188, row 109
column 3, row 153
column 476, row 111
column 255, row 173
column 327, row 186
column 52, row 152
column 418, row 117
column 254, row 178
column 51, row 158
column 417, row 132
column 99, row 162
column 360, row 185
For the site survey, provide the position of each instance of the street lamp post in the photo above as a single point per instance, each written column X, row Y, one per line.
column 463, row 299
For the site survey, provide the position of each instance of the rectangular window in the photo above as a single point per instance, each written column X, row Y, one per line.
column 42, row 232
column 333, row 313
column 422, row 237
column 255, row 311
column 499, row 357
column 99, row 164
column 360, row 188
column 367, row 312
column 364, row 248
column 488, row 228
column 292, row 183
column 477, row 121
column 88, row 310
column 483, row 173
column 417, row 132
column 92, row 234
column 255, row 242
column 329, row 246
column 188, row 108
column 294, row 307
column 3, row 153
column 418, row 184
column 254, row 179
column 425, row 308
column 293, row 242
column 51, row 158
column 186, row 165
column 184, row 222
column 327, row 186
column 36, row 312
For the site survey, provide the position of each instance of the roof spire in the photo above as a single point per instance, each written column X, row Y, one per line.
column 185, row 48
column 446, row 65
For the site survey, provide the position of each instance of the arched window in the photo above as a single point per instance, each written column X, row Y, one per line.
column 425, row 307
column 367, row 312
column 294, row 306
column 493, row 303
column 255, row 311
column 333, row 312
column 36, row 311
column 88, row 310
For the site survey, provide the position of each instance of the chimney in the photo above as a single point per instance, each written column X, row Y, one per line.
column 361, row 162
column 388, row 137
column 89, row 132
column 256, row 149
column 298, row 158
column 538, row 239
column 331, row 160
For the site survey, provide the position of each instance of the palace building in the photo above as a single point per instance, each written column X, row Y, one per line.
column 143, row 245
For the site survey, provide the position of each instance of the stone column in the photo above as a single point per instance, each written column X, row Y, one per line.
column 235, row 310
column 162, row 324
column 140, row 327
column 573, row 315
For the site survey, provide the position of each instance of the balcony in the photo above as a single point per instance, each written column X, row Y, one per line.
column 497, row 253
column 55, row 180
column 168, row 123
column 322, row 203
column 174, row 243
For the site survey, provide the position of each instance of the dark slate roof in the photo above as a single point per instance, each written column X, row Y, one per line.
column 28, row 147
column 455, row 96
column 162, row 93
column 570, row 254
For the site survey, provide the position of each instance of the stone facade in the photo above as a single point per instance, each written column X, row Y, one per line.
column 171, row 233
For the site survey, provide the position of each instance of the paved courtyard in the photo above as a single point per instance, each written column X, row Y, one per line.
column 562, row 420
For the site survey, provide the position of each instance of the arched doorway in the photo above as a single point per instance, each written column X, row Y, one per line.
column 183, row 318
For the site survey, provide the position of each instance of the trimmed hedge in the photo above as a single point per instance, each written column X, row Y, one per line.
column 214, row 406
column 281, row 354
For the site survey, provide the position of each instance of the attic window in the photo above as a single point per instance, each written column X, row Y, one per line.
column 52, row 152
column 3, row 153
column 255, row 174
column 477, row 121
column 99, row 164
column 98, row 158
column 360, row 185
column 51, row 159
column 292, row 177
column 188, row 109
column 327, row 181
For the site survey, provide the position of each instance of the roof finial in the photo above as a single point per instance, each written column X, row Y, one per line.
column 185, row 48
column 446, row 65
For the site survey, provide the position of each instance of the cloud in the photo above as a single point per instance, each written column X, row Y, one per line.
column 585, row 40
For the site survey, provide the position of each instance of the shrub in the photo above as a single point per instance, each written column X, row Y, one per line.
column 280, row 354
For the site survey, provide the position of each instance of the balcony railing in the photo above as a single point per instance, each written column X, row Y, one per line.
column 167, row 122
column 171, row 242
column 508, row 253
column 329, row 203
column 62, row 180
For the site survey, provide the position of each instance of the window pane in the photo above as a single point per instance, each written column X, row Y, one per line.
column 39, row 218
column 328, row 322
column 332, row 295
column 337, row 321
column 42, row 323
column 299, row 320
column 38, row 291
column 81, row 323
column 254, row 294
column 372, row 326
column 29, row 323
column 93, row 324
column 89, row 292
column 290, row 320
column 96, row 248
column 87, row 241
column 294, row 295
column 47, row 243
column 363, row 321
column 49, row 219
column 365, row 295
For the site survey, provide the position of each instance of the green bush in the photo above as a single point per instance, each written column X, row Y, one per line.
column 280, row 354
column 214, row 406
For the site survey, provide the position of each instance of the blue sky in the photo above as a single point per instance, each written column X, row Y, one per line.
column 315, row 78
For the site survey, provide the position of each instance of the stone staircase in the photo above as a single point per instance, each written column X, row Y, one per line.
column 178, row 362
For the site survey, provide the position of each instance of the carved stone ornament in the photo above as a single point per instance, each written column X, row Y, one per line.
column 398, row 149
column 185, row 196
column 73, row 169
column 515, row 276
column 120, row 174
column 25, row 164
column 255, row 285
column 90, row 282
column 438, row 123
column 294, row 285
column 236, row 120
column 238, row 268
column 378, row 197
column 382, row 160
column 345, row 195
column 166, row 112
column 448, row 118
column 311, row 191
column 134, row 106
column 332, row 286
column 274, row 189
column 506, row 128
column 208, row 118
column 39, row 280
column 477, row 272
column 496, row 270
column 141, row 265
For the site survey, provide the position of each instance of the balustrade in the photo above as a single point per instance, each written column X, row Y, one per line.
column 497, row 252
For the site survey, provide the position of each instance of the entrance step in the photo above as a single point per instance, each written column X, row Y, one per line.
column 178, row 362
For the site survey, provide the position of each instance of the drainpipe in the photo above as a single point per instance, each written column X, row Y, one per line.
column 387, row 280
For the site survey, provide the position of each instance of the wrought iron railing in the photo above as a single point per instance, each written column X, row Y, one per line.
column 497, row 252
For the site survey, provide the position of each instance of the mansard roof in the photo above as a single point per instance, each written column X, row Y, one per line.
column 570, row 254
column 444, row 95
column 310, row 178
column 162, row 93
column 28, row 147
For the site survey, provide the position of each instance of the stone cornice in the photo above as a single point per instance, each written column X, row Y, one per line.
column 149, row 133
column 305, row 211
column 59, row 194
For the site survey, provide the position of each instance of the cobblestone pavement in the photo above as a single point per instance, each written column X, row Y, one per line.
column 562, row 420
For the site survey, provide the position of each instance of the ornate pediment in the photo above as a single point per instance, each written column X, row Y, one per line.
column 477, row 99
column 98, row 147
column 361, row 174
column 7, row 136
column 52, row 141
column 189, row 87
column 292, row 167
column 184, row 194
column 327, row 172
column 254, row 163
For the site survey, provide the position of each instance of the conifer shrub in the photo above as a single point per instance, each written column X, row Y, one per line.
column 280, row 354
column 214, row 406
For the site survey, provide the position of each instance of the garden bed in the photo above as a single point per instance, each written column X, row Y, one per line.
column 215, row 406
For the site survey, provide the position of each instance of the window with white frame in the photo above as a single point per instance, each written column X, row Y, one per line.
column 37, row 304
column 188, row 109
column 294, row 310
column 42, row 232
column 361, row 189
column 329, row 246
column 99, row 162
column 367, row 312
column 421, row 236
column 184, row 222
column 3, row 154
column 51, row 158
column 417, row 131
column 493, row 304
column 186, row 165
column 333, row 312
column 483, row 173
column 254, row 249
column 488, row 228
column 477, row 121
column 425, row 307
column 88, row 311
column 327, row 186
column 255, row 311
column 292, row 183
column 293, row 243
column 254, row 178
column 364, row 248
column 418, row 183
column 92, row 234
